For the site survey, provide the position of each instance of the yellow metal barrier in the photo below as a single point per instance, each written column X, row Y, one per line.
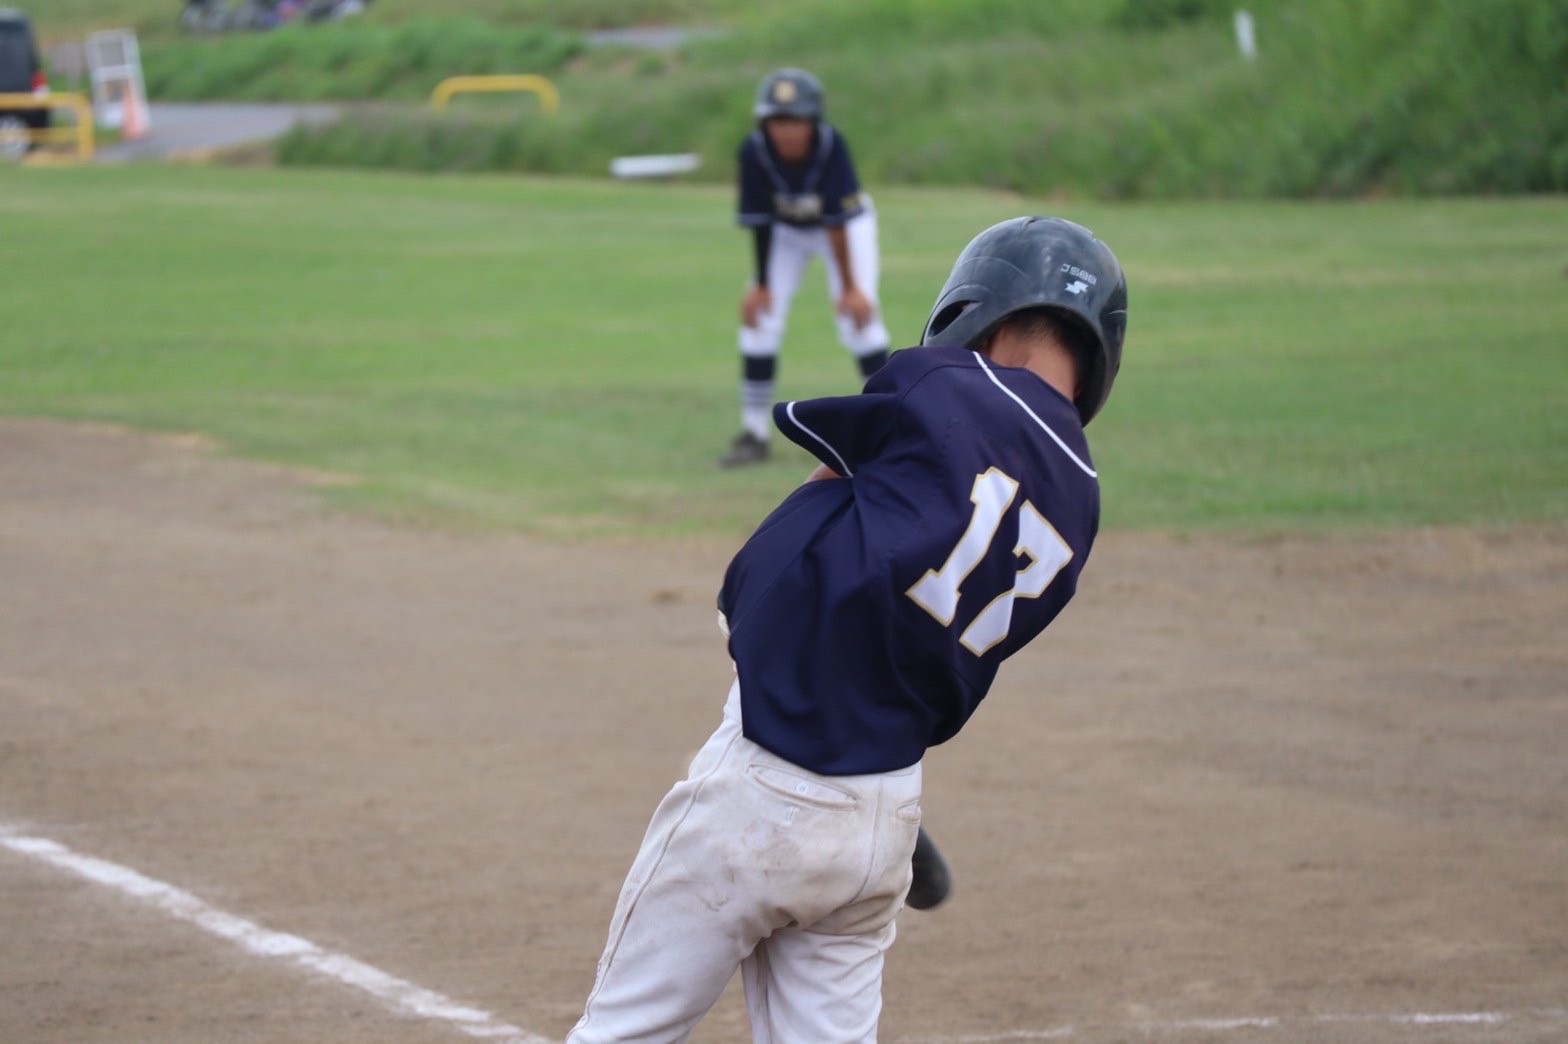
column 549, row 100
column 81, row 134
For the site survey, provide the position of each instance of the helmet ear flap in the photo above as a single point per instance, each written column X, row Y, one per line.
column 944, row 317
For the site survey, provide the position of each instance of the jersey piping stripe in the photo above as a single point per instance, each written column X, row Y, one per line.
column 843, row 469
column 1087, row 470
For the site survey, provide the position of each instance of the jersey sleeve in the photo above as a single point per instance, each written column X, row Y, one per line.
column 754, row 206
column 847, row 432
column 840, row 186
column 842, row 432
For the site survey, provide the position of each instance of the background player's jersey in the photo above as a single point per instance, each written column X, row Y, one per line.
column 868, row 615
column 823, row 191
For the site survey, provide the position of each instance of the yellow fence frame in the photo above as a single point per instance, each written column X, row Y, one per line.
column 81, row 134
column 549, row 100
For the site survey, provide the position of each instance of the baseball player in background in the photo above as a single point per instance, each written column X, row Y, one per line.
column 947, row 523
column 801, row 198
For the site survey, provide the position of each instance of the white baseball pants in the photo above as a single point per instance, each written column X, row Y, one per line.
column 791, row 250
column 754, row 863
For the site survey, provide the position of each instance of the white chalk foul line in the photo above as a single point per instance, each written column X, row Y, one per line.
column 403, row 998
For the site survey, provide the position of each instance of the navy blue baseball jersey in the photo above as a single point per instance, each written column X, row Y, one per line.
column 823, row 191
column 868, row 615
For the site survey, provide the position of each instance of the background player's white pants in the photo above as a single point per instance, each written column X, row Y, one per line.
column 756, row 863
column 790, row 251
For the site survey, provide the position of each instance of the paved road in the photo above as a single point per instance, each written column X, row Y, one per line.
column 194, row 128
column 184, row 129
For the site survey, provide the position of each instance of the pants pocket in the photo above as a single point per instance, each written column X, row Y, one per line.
column 802, row 788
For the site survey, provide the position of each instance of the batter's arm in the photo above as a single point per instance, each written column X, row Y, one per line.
column 822, row 471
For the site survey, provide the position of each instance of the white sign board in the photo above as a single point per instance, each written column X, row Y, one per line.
column 1246, row 36
column 114, row 65
column 654, row 166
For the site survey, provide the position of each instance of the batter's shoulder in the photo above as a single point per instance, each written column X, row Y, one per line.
column 909, row 366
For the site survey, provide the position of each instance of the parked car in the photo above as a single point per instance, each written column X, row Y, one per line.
column 20, row 73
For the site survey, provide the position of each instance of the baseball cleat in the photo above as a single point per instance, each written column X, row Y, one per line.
column 933, row 881
column 746, row 449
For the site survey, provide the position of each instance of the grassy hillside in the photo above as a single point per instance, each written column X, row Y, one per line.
column 1090, row 98
column 558, row 355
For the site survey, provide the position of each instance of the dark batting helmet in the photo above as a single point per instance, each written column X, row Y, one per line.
column 1035, row 262
column 789, row 92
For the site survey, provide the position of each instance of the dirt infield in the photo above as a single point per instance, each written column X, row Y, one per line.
column 1270, row 790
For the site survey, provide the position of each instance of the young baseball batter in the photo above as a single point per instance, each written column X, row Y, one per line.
column 801, row 198
column 946, row 526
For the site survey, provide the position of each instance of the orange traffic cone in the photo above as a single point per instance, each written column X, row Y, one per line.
column 133, row 121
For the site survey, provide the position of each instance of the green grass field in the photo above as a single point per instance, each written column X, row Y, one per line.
column 557, row 356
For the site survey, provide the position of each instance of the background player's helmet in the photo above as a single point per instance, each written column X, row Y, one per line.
column 789, row 92
column 1034, row 262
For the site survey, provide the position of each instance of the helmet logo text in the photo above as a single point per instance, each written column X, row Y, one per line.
column 784, row 92
column 1086, row 279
